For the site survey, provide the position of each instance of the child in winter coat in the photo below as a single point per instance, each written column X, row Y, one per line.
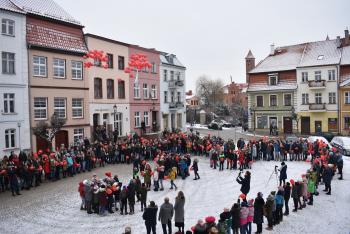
column 311, row 191
column 244, row 212
column 250, row 217
column 172, row 177
column 279, row 199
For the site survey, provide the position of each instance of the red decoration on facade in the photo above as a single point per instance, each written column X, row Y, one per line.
column 98, row 59
column 137, row 63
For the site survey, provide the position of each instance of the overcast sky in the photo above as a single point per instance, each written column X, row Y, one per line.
column 212, row 37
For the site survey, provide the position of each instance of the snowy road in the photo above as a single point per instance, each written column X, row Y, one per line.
column 54, row 207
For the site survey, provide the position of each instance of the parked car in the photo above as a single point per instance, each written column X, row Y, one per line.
column 328, row 135
column 312, row 139
column 226, row 124
column 342, row 144
column 215, row 125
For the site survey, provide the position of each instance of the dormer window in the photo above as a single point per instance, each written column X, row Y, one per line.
column 273, row 79
column 320, row 57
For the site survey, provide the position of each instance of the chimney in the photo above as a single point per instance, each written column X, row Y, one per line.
column 338, row 42
column 272, row 49
column 346, row 37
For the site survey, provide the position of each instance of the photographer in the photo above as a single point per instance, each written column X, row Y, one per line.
column 245, row 182
column 283, row 173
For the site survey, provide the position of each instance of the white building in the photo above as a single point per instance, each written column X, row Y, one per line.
column 172, row 92
column 14, row 109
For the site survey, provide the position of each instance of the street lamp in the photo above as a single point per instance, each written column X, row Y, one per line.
column 252, row 109
column 19, row 135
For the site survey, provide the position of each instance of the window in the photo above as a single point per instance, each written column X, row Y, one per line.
column 287, row 99
column 98, row 88
column 273, row 80
column 261, row 122
column 145, row 91
column 121, row 64
column 318, row 98
column 118, row 123
column 60, row 107
column 136, row 91
column 165, row 96
column 77, row 70
column 259, row 101
column 332, row 98
column 165, row 75
column 154, row 68
column 110, row 60
column 77, row 107
column 8, row 63
column 172, row 97
column 347, row 123
column 39, row 66
column 171, row 75
column 137, row 119
column 304, row 77
column 40, row 108
column 154, row 92
column 78, row 135
column 273, row 100
column 331, row 75
column 121, row 89
column 305, row 98
column 10, row 136
column 9, row 103
column 8, row 27
column 146, row 118
column 59, row 68
column 178, row 76
column 347, row 97
column 110, row 89
column 179, row 97
column 318, row 76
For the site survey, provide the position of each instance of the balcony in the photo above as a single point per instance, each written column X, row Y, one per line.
column 172, row 84
column 179, row 105
column 315, row 107
column 180, row 83
column 317, row 84
column 172, row 105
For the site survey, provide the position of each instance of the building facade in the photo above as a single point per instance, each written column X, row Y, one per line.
column 236, row 94
column 109, row 88
column 144, row 95
column 14, row 105
column 172, row 93
column 58, row 83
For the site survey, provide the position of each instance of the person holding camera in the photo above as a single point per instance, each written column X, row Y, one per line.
column 244, row 182
column 283, row 173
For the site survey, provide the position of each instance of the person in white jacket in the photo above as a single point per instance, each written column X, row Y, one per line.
column 156, row 179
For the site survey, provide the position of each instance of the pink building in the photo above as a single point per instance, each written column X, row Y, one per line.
column 144, row 96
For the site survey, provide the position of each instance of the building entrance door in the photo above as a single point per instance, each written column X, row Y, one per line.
column 287, row 125
column 305, row 125
column 318, row 127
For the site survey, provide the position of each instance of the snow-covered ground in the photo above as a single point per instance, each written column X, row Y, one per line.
column 54, row 207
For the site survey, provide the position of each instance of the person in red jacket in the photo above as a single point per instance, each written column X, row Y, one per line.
column 82, row 195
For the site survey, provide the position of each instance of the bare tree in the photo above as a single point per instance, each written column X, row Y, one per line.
column 210, row 91
column 48, row 131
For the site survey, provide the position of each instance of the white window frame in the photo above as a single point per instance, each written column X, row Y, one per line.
column 78, row 133
column 5, row 57
column 331, row 75
column 178, row 97
column 137, row 119
column 333, row 96
column 8, row 23
column 60, row 108
column 305, row 99
column 154, row 68
column 165, row 96
column 153, row 91
column 165, row 75
column 270, row 99
column 347, row 97
column 304, row 77
column 57, row 67
column 77, row 107
column 273, row 76
column 9, row 134
column 145, row 91
column 318, row 95
column 118, row 123
column 8, row 102
column 40, row 65
column 136, row 91
column 146, row 118
column 256, row 100
column 291, row 99
column 172, row 75
column 77, row 67
column 40, row 108
column 318, row 74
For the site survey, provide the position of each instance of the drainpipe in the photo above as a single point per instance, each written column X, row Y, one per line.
column 339, row 100
column 29, row 102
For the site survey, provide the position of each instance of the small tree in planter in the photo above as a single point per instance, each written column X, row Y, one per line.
column 47, row 131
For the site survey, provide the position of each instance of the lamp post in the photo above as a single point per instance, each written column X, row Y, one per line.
column 115, row 136
column 19, row 135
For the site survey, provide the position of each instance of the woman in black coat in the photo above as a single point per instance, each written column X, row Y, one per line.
column 235, row 213
column 195, row 169
column 283, row 173
column 245, row 182
column 150, row 217
column 259, row 212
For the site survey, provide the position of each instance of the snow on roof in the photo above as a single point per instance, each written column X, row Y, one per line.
column 282, row 85
column 9, row 6
column 285, row 58
column 345, row 79
column 345, row 58
column 320, row 53
column 170, row 59
column 45, row 8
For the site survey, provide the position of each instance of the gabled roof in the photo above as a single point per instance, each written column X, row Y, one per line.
column 45, row 8
column 9, row 6
column 346, row 81
column 170, row 59
column 320, row 53
column 345, row 58
column 284, row 58
column 282, row 85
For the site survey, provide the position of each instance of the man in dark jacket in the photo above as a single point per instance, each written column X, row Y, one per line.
column 295, row 195
column 195, row 169
column 287, row 191
column 166, row 213
column 259, row 212
column 235, row 213
column 131, row 197
column 88, row 196
column 143, row 196
column 327, row 178
column 150, row 217
column 245, row 182
column 283, row 173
